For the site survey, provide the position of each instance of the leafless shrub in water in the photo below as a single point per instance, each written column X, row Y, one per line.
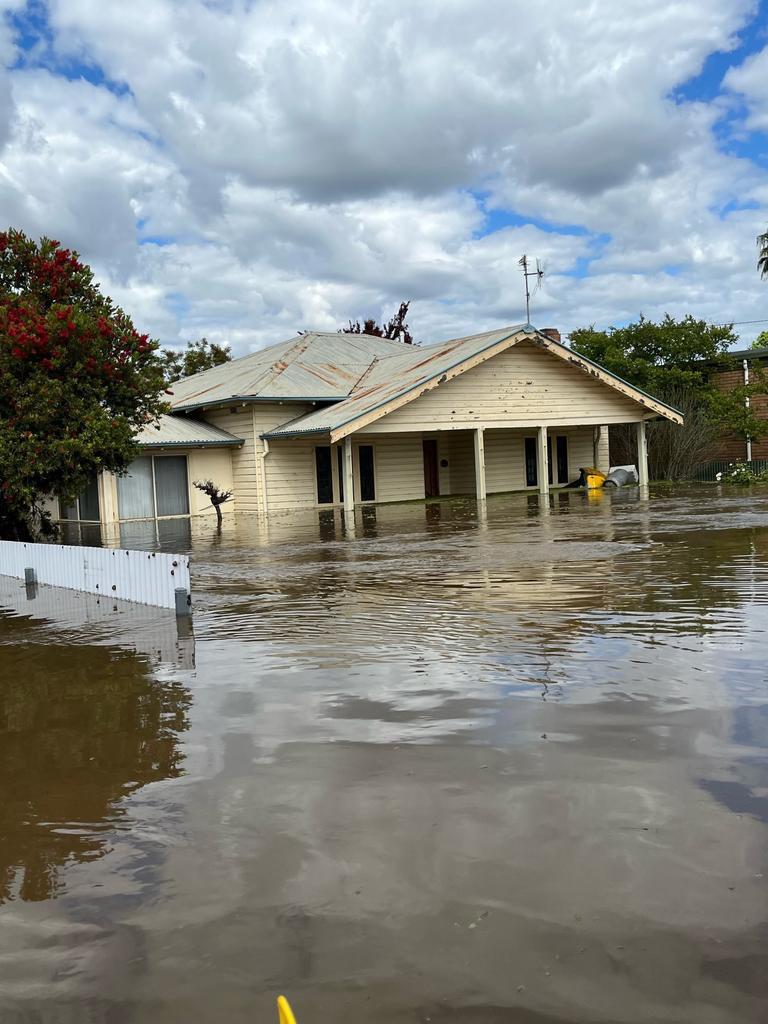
column 215, row 493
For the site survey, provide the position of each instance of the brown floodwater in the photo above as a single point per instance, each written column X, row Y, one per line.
column 444, row 767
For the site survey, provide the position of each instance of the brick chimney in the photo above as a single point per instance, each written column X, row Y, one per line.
column 552, row 333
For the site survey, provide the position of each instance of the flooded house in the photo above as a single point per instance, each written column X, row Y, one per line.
column 329, row 419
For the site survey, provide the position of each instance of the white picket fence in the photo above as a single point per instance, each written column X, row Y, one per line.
column 145, row 577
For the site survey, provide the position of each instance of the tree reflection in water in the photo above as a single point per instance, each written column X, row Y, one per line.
column 81, row 728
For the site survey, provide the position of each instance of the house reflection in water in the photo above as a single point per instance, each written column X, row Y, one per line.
column 81, row 728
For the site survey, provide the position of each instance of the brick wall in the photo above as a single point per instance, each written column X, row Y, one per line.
column 730, row 446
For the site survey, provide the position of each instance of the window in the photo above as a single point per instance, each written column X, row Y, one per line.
column 171, row 490
column 85, row 506
column 154, row 486
column 324, row 475
column 367, row 477
column 135, row 497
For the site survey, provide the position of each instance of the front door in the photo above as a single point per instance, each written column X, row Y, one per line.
column 431, row 472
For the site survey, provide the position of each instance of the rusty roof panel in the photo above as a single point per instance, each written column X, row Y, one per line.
column 355, row 374
column 313, row 366
column 393, row 376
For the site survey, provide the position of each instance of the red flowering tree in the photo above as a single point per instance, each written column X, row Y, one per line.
column 77, row 381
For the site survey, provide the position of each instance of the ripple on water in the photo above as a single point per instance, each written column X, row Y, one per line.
column 446, row 769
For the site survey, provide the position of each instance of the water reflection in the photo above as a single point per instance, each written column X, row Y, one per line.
column 86, row 534
column 443, row 764
column 173, row 535
column 156, row 535
column 584, row 573
column 81, row 728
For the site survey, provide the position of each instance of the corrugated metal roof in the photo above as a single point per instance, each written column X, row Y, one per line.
column 355, row 374
column 170, row 431
column 394, row 376
column 315, row 366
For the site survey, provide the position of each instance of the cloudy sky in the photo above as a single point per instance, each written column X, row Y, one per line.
column 244, row 169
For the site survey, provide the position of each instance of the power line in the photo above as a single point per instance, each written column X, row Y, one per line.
column 729, row 323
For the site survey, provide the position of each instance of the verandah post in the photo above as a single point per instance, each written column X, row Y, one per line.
column 480, row 463
column 349, row 480
column 642, row 454
column 542, row 460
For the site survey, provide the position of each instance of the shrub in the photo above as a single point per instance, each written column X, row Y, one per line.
column 742, row 473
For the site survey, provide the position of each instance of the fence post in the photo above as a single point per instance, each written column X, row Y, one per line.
column 183, row 602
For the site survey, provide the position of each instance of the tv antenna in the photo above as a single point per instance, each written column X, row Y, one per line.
column 538, row 273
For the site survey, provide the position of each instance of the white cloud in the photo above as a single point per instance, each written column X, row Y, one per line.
column 750, row 80
column 300, row 162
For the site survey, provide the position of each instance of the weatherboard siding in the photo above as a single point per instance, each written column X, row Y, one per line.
column 289, row 465
column 603, row 450
column 459, row 450
column 504, row 460
column 210, row 464
column 250, row 422
column 505, row 456
column 523, row 385
column 244, row 474
column 292, row 481
column 290, row 469
column 398, row 466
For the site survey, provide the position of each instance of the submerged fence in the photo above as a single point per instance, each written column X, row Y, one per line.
column 709, row 470
column 155, row 633
column 144, row 577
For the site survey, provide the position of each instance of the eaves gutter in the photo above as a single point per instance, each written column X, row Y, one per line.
column 276, row 435
column 236, row 442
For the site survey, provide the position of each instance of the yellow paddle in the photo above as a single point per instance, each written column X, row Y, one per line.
column 285, row 1011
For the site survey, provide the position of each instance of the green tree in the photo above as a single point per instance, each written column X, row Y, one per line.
column 659, row 357
column 197, row 356
column 77, row 381
column 761, row 341
column 677, row 361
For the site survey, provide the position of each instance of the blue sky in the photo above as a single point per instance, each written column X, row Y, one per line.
column 245, row 171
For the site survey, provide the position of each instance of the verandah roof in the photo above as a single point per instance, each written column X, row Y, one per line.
column 179, row 431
